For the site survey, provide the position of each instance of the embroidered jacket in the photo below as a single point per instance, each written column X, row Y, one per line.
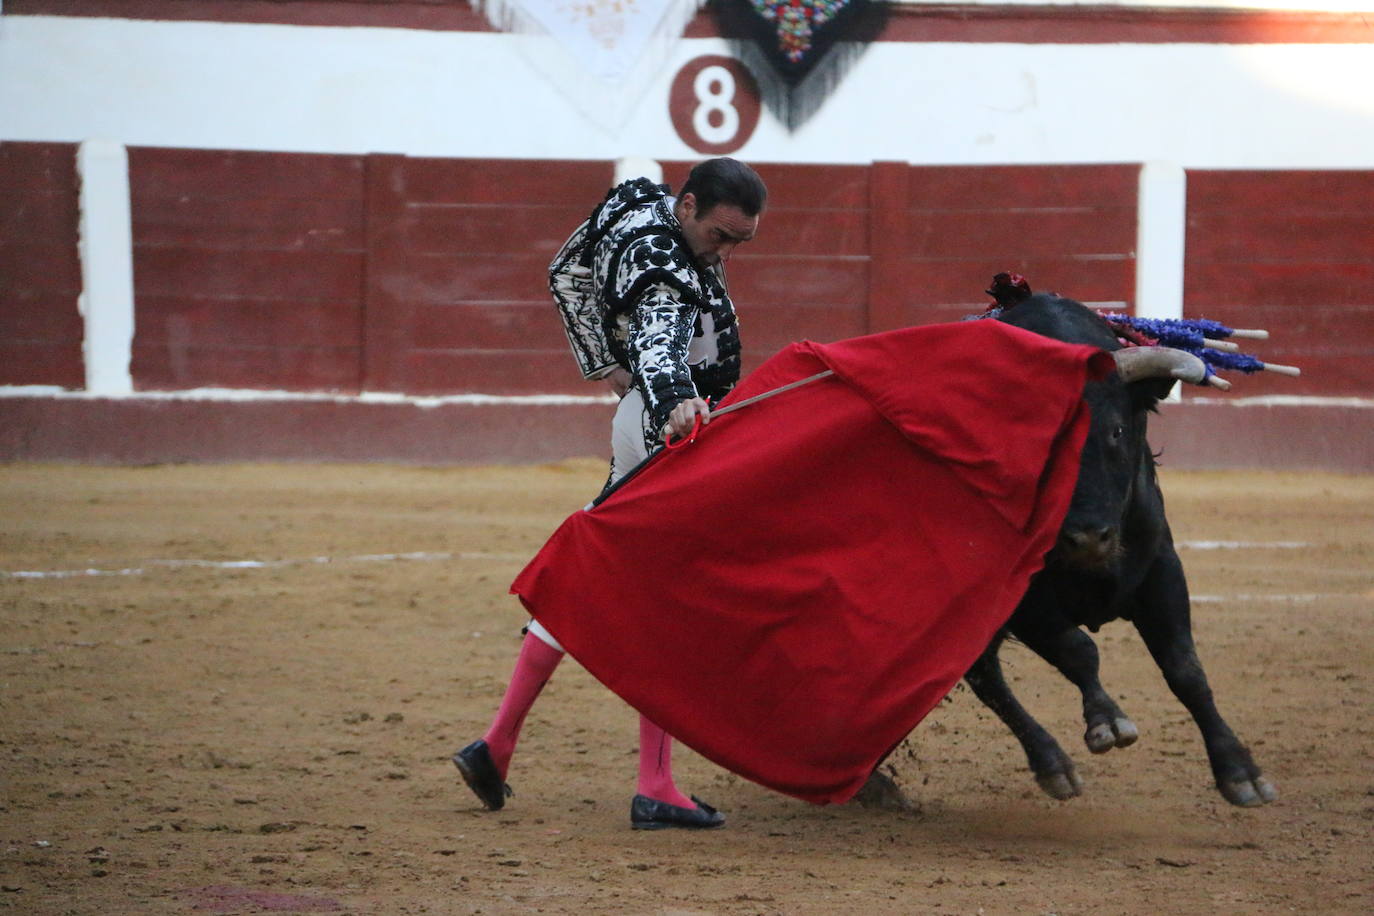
column 631, row 295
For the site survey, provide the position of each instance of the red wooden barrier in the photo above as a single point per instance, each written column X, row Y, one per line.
column 457, row 284
column 427, row 276
column 1292, row 252
column 1069, row 229
column 247, row 269
column 846, row 250
column 40, row 274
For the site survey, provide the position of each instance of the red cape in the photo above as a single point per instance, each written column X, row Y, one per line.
column 793, row 592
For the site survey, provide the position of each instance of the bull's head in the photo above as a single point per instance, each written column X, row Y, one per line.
column 1116, row 466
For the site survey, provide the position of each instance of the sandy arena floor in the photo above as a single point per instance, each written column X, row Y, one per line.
column 184, row 732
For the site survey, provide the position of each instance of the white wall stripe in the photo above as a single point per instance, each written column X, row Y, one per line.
column 241, row 565
column 478, row 555
column 253, row 395
column 1243, row 545
column 1287, row 400
column 1298, row 598
column 235, row 565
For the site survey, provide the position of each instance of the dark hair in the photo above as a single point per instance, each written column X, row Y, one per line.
column 726, row 181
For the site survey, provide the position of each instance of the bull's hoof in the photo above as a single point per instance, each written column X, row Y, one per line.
column 1249, row 793
column 1063, row 786
column 1104, row 736
column 882, row 792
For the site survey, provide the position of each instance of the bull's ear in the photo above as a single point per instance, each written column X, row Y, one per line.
column 1146, row 394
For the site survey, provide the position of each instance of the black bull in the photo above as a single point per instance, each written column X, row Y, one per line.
column 1114, row 559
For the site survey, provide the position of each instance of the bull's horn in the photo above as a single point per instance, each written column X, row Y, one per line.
column 1136, row 363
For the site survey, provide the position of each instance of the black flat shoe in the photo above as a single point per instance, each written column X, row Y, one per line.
column 479, row 772
column 650, row 814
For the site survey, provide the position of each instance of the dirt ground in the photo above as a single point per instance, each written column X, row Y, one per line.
column 236, row 690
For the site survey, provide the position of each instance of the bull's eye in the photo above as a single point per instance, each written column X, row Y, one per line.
column 1118, row 432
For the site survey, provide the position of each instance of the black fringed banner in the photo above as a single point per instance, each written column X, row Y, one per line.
column 791, row 46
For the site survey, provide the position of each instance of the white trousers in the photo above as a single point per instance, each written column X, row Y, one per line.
column 627, row 451
column 628, row 434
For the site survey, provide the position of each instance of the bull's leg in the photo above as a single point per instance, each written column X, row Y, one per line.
column 1054, row 770
column 1165, row 625
column 1074, row 653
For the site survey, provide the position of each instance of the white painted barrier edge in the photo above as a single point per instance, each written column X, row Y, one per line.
column 105, row 247
column 1161, row 228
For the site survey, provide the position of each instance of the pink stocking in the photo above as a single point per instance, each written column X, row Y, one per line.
column 656, row 766
column 533, row 668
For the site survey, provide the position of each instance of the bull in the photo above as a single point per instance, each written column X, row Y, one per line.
column 1114, row 559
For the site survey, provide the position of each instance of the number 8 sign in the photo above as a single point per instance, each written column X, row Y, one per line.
column 714, row 104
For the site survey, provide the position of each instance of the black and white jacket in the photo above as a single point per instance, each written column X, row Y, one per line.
column 631, row 295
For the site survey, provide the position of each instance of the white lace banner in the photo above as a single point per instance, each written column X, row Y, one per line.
column 608, row 38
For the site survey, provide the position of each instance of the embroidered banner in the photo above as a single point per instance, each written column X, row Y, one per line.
column 800, row 49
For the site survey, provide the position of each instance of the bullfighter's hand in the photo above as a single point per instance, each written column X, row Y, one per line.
column 620, row 381
column 683, row 418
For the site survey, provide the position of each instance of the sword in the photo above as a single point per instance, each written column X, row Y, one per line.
column 611, row 488
column 768, row 394
column 696, row 425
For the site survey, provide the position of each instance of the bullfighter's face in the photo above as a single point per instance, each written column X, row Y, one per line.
column 715, row 233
